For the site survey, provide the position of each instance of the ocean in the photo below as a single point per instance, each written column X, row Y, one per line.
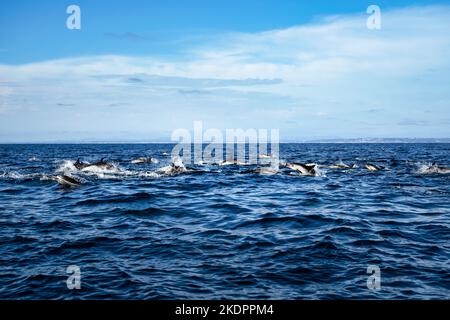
column 224, row 232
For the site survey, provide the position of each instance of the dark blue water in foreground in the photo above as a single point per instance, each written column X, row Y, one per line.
column 222, row 233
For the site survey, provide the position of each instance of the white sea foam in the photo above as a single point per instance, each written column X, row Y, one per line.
column 149, row 174
column 110, row 172
column 14, row 175
column 113, row 169
column 66, row 166
column 164, row 170
column 178, row 162
column 46, row 177
column 176, row 167
column 116, row 172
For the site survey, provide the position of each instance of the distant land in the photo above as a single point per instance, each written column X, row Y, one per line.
column 381, row 140
column 166, row 141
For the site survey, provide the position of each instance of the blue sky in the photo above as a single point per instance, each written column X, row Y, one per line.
column 137, row 70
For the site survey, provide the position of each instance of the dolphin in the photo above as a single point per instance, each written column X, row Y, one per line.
column 265, row 171
column 304, row 169
column 80, row 165
column 142, row 160
column 373, row 167
column 435, row 168
column 102, row 164
column 443, row 169
column 341, row 165
column 68, row 181
column 175, row 167
column 232, row 162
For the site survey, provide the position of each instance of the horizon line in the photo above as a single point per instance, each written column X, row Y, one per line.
column 294, row 141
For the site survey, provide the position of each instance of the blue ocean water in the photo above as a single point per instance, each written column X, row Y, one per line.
column 225, row 232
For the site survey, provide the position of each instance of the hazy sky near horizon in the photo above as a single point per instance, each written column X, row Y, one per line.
column 137, row 70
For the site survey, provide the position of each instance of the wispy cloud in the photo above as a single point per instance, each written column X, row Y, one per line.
column 125, row 36
column 158, row 80
column 410, row 122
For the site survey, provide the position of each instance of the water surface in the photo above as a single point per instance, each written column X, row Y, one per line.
column 225, row 233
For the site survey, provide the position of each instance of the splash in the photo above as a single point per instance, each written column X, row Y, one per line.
column 111, row 171
column 177, row 162
column 176, row 167
column 319, row 172
column 14, row 175
column 149, row 174
column 430, row 168
column 66, row 166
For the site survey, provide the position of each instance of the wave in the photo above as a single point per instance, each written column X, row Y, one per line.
column 14, row 175
column 140, row 196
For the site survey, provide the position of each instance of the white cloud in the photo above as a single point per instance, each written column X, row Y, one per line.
column 335, row 66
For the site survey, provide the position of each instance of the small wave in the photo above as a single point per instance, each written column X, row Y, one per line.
column 269, row 221
column 13, row 175
column 368, row 242
column 344, row 231
column 438, row 231
column 326, row 245
column 146, row 211
column 116, row 199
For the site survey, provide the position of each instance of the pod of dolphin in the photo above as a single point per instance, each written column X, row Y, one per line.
column 177, row 167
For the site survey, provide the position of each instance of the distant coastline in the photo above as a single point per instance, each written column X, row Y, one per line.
column 379, row 140
column 286, row 141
